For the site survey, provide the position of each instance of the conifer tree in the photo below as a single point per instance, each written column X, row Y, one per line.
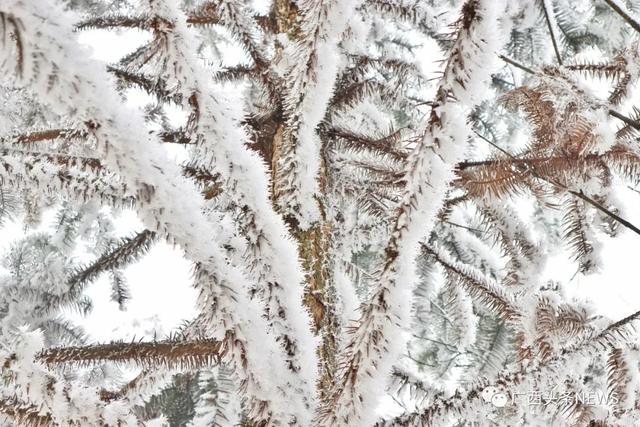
column 353, row 222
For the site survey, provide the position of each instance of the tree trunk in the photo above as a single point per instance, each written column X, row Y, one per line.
column 313, row 242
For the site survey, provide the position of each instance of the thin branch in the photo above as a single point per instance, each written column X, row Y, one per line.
column 547, row 18
column 616, row 7
column 517, row 64
column 24, row 414
column 114, row 258
column 633, row 123
column 579, row 194
column 604, row 210
column 487, row 294
column 157, row 87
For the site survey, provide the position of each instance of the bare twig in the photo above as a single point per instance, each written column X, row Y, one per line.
column 547, row 18
column 616, row 7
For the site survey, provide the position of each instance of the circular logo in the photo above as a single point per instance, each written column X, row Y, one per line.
column 494, row 396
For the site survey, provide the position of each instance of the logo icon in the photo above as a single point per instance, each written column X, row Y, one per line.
column 494, row 396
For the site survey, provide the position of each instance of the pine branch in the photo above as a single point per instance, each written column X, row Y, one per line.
column 220, row 148
column 165, row 354
column 384, row 146
column 580, row 194
column 16, row 36
column 205, row 15
column 620, row 330
column 157, row 87
column 114, row 21
column 633, row 123
column 44, row 135
column 613, row 4
column 24, row 414
column 517, row 162
column 374, row 340
column 405, row 381
column 406, row 12
column 440, row 410
column 554, row 42
column 199, row 174
column 309, row 84
column 123, row 253
column 84, row 164
column 38, row 173
column 617, row 377
column 234, row 74
column 243, row 28
column 488, row 295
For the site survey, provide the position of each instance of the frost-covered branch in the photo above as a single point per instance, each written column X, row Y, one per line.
column 124, row 252
column 312, row 63
column 35, row 172
column 23, row 414
column 44, row 135
column 165, row 201
column 168, row 354
column 376, row 340
column 488, row 294
column 221, row 148
column 51, row 398
column 465, row 402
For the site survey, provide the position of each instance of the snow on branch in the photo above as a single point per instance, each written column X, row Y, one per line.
column 233, row 14
column 39, row 395
column 124, row 252
column 23, row 414
column 312, row 63
column 615, row 335
column 221, row 147
column 44, row 135
column 168, row 354
column 42, row 54
column 35, row 172
column 488, row 294
column 376, row 340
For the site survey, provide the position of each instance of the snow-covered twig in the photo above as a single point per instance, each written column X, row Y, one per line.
column 312, row 64
column 47, row 59
column 376, row 339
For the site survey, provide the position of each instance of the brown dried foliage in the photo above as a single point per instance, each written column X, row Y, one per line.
column 184, row 354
